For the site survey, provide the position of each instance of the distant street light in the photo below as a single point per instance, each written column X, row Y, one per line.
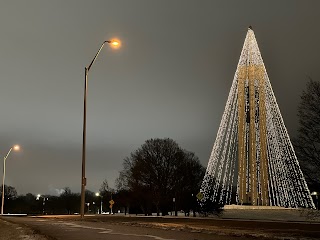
column 44, row 199
column 98, row 195
column 113, row 44
column 38, row 197
column 88, row 204
column 15, row 148
column 316, row 194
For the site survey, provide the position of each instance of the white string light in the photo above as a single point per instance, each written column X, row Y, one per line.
column 286, row 185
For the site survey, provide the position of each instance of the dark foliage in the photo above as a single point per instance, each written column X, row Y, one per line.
column 66, row 203
column 307, row 143
column 9, row 192
column 158, row 172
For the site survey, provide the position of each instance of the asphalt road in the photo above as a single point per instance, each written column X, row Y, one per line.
column 68, row 229
column 149, row 228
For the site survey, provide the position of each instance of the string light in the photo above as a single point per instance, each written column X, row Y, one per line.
column 270, row 167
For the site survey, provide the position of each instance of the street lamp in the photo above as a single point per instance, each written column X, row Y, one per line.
column 114, row 44
column 15, row 148
column 98, row 195
column 316, row 194
column 44, row 199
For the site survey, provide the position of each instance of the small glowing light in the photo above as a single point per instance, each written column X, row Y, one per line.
column 16, row 147
column 97, row 194
column 115, row 43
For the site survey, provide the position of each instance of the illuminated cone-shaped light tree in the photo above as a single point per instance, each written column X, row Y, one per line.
column 253, row 161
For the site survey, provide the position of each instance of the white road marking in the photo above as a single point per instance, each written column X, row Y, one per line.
column 109, row 231
column 140, row 235
column 79, row 226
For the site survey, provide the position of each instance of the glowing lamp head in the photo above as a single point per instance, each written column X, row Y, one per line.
column 16, row 147
column 97, row 194
column 114, row 43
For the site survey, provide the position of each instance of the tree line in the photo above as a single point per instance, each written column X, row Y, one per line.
column 159, row 177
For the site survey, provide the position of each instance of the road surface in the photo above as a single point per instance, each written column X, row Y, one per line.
column 149, row 228
column 67, row 229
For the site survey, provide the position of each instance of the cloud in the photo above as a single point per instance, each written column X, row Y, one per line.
column 55, row 191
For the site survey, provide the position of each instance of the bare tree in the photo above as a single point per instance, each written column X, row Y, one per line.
column 307, row 143
column 9, row 192
column 158, row 172
column 69, row 200
column 104, row 188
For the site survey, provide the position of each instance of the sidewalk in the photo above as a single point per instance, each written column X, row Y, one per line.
column 282, row 215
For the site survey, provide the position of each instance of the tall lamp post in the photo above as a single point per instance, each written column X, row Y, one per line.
column 99, row 195
column 15, row 148
column 113, row 43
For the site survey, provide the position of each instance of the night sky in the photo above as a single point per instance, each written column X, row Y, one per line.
column 170, row 78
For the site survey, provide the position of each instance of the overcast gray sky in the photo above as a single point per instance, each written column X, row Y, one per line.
column 170, row 78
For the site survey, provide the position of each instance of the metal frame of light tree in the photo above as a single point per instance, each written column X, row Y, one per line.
column 252, row 77
column 253, row 160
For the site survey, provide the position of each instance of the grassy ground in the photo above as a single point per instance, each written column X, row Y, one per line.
column 10, row 231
